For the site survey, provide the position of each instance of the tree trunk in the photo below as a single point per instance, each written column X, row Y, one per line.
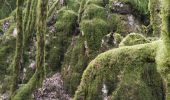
column 37, row 78
column 164, row 53
column 16, row 64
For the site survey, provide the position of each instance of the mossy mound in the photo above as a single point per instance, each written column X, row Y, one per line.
column 67, row 21
column 93, row 31
column 133, row 39
column 94, row 11
column 131, row 68
column 82, row 49
column 85, row 46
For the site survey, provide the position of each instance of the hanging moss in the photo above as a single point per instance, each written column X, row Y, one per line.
column 126, row 73
column 133, row 39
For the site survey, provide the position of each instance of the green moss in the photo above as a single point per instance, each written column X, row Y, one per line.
column 25, row 91
column 133, row 39
column 74, row 64
column 163, row 55
column 118, row 38
column 7, row 44
column 73, row 5
column 121, row 70
column 6, row 7
column 110, row 41
column 94, row 30
column 115, row 23
column 94, row 11
column 57, row 46
column 154, row 7
column 98, row 2
column 140, row 5
column 134, row 89
column 67, row 21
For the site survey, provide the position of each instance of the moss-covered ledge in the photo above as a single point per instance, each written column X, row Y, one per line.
column 118, row 69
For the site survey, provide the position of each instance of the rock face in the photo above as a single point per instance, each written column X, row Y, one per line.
column 128, row 21
column 120, row 8
column 52, row 89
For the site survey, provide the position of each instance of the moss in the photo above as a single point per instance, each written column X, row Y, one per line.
column 115, row 23
column 73, row 5
column 121, row 69
column 93, row 26
column 110, row 41
column 7, row 44
column 163, row 54
column 67, row 21
column 133, row 39
column 16, row 63
column 6, row 7
column 118, row 38
column 99, row 2
column 154, row 7
column 93, row 31
column 75, row 58
column 52, row 8
column 133, row 90
column 82, row 49
column 140, row 5
column 25, row 91
column 58, row 44
column 94, row 11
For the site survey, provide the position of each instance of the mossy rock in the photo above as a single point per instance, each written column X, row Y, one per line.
column 127, row 72
column 82, row 49
column 139, row 5
column 93, row 31
column 73, row 5
column 110, row 40
column 57, row 46
column 67, row 21
column 94, row 11
column 133, row 39
column 99, row 2
column 6, row 7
